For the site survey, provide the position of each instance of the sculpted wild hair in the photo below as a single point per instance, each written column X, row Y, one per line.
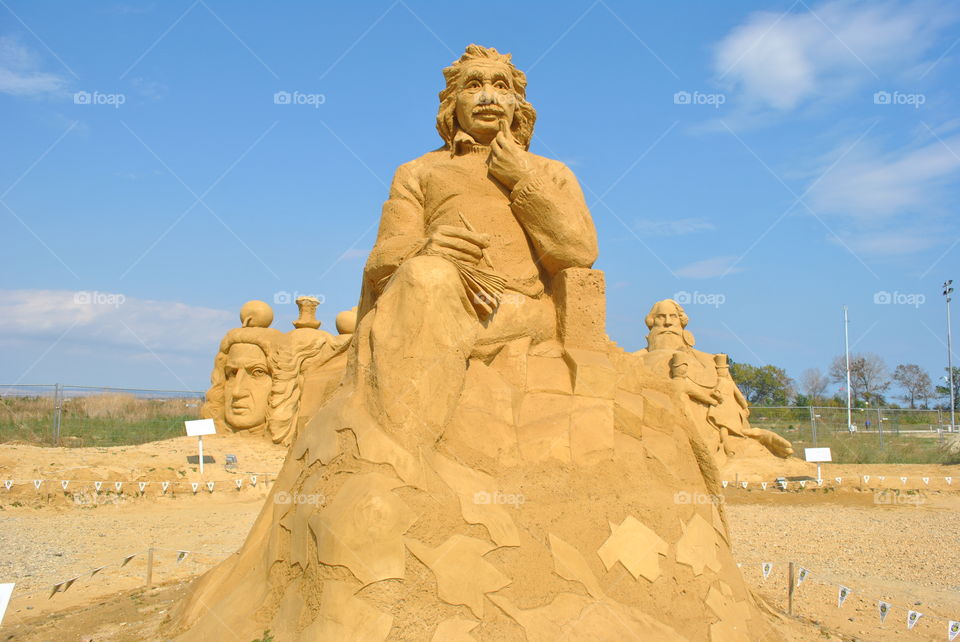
column 524, row 117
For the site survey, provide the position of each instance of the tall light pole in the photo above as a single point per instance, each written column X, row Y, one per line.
column 947, row 291
column 846, row 351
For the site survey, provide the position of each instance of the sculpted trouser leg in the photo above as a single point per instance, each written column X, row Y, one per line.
column 422, row 334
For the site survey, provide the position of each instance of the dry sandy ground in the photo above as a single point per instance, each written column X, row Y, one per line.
column 904, row 548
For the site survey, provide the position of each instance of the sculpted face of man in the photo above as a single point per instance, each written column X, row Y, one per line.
column 486, row 97
column 247, row 387
column 667, row 330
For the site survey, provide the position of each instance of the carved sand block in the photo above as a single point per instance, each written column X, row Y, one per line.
column 636, row 547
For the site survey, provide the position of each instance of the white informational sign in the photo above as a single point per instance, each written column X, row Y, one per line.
column 815, row 454
column 200, row 427
column 6, row 590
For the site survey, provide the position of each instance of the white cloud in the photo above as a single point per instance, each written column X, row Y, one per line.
column 887, row 243
column 20, row 73
column 674, row 227
column 870, row 183
column 117, row 323
column 710, row 268
column 781, row 60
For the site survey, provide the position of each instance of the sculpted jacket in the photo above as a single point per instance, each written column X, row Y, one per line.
column 539, row 228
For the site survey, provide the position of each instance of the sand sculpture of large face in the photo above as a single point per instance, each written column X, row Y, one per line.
column 242, row 380
column 666, row 322
column 483, row 88
column 246, row 388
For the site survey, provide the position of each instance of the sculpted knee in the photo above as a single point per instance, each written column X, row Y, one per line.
column 428, row 272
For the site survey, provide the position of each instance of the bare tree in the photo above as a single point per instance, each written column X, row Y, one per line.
column 813, row 384
column 915, row 382
column 869, row 377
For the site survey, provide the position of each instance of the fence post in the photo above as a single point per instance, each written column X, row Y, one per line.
column 813, row 425
column 57, row 412
column 790, row 590
column 149, row 567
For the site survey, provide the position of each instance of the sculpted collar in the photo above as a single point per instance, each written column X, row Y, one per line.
column 464, row 143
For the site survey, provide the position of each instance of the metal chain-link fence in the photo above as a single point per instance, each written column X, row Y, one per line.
column 59, row 415
column 878, row 435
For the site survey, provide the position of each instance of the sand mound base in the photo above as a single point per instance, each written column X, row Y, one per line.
column 601, row 529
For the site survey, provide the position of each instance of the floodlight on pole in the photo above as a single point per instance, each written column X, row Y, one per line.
column 947, row 291
column 846, row 350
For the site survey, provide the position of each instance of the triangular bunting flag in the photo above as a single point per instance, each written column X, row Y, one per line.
column 763, row 485
column 56, row 589
column 743, row 484
column 69, row 583
column 724, row 483
column 7, row 483
column 842, row 594
column 98, row 485
column 239, row 482
column 949, row 480
column 803, row 483
column 210, row 486
column 765, row 568
column 802, row 575
column 926, row 480
column 953, row 629
column 36, row 483
column 912, row 618
column 839, row 480
column 164, row 486
column 96, row 570
column 63, row 483
column 181, row 555
column 127, row 559
column 118, row 486
column 141, row 486
column 866, row 479
column 881, row 477
column 903, row 480
column 884, row 608
column 253, row 480
column 194, row 486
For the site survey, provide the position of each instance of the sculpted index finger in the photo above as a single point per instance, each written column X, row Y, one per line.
column 482, row 240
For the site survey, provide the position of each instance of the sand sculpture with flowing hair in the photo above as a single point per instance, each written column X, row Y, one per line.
column 492, row 466
column 258, row 377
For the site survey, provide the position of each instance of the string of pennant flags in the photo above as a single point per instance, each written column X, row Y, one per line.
column 785, row 484
column 118, row 486
column 64, row 585
column 884, row 607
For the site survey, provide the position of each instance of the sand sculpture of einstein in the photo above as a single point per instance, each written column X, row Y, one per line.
column 454, row 394
column 479, row 209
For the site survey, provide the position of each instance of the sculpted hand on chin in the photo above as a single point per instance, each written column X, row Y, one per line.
column 508, row 163
column 458, row 243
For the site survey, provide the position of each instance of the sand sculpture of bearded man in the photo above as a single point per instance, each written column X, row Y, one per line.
column 476, row 218
column 717, row 406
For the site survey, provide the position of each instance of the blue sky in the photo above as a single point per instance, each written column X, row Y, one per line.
column 735, row 153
